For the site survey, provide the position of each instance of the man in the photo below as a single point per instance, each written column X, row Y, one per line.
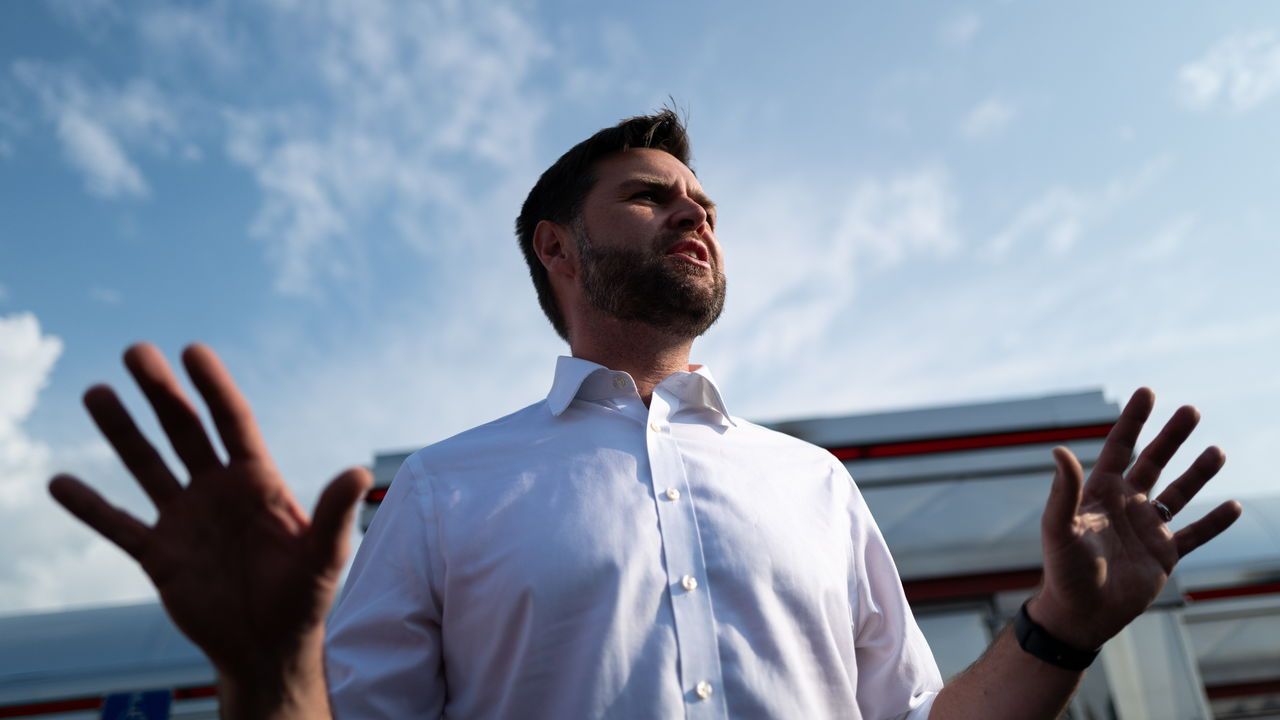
column 626, row 547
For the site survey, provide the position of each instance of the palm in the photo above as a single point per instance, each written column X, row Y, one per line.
column 1108, row 551
column 218, row 530
column 239, row 567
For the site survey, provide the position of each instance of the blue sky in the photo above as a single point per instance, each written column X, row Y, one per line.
column 920, row 203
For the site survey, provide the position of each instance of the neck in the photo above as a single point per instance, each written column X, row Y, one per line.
column 647, row 353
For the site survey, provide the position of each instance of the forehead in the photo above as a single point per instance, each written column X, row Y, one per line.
column 618, row 168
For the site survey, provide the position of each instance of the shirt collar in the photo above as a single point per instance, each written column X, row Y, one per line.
column 696, row 387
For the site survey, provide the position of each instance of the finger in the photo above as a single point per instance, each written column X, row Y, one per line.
column 1208, row 527
column 137, row 453
column 1144, row 473
column 177, row 416
column 116, row 525
column 230, row 411
column 1058, row 521
column 1180, row 491
column 331, row 525
column 1118, row 449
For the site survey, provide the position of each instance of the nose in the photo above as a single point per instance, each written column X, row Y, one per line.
column 688, row 214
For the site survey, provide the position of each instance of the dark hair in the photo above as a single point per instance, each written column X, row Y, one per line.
column 559, row 193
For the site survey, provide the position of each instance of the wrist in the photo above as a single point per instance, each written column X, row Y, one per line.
column 276, row 688
column 1042, row 645
column 1071, row 629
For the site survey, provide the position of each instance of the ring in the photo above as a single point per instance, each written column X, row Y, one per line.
column 1165, row 513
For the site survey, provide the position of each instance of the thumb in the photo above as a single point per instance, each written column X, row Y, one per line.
column 1064, row 497
column 331, row 523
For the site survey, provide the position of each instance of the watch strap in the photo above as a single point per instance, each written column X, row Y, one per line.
column 1037, row 641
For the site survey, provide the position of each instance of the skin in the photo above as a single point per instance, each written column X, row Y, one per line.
column 618, row 212
column 1107, row 554
column 238, row 565
column 249, row 577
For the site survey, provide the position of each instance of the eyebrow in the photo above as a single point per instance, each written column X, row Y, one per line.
column 653, row 182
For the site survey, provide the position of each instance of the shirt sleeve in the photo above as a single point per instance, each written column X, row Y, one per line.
column 897, row 674
column 383, row 651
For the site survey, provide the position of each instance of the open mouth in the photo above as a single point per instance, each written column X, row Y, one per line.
column 690, row 251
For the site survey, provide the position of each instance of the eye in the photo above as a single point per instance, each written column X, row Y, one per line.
column 648, row 195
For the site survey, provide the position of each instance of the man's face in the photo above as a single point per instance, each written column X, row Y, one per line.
column 646, row 244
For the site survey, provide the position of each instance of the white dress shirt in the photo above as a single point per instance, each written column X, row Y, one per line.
column 590, row 557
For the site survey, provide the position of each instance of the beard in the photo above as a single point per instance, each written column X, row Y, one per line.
column 642, row 285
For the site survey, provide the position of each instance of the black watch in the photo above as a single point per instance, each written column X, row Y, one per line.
column 1037, row 641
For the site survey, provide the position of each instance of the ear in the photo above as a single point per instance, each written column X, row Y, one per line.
column 554, row 245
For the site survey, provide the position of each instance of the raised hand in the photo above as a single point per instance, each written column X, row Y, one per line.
column 240, row 568
column 1107, row 549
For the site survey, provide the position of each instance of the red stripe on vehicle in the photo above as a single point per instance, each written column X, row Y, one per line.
column 66, row 705
column 195, row 692
column 1225, row 692
column 50, row 707
column 958, row 587
column 931, row 446
column 1232, row 592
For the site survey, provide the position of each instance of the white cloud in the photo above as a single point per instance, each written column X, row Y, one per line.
column 49, row 560
column 199, row 31
column 801, row 255
column 1240, row 72
column 887, row 219
column 987, row 118
column 94, row 125
column 93, row 150
column 1059, row 215
column 415, row 100
column 26, row 357
column 959, row 31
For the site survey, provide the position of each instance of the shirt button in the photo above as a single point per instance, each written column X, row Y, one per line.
column 673, row 494
column 703, row 689
column 654, row 426
column 620, row 382
column 689, row 582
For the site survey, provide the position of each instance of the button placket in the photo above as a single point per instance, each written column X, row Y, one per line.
column 691, row 605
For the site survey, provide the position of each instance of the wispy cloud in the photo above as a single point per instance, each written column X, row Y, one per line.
column 415, row 103
column 987, row 118
column 199, row 32
column 960, row 30
column 802, row 255
column 105, row 295
column 1167, row 240
column 93, row 150
column 95, row 123
column 1059, row 215
column 92, row 18
column 887, row 219
column 1239, row 73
